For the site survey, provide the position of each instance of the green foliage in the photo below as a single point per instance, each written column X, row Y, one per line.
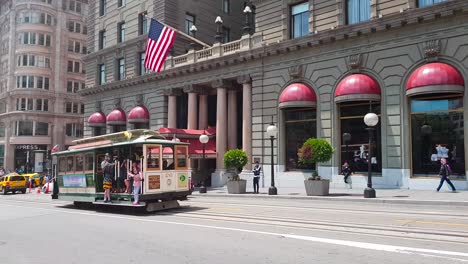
column 315, row 150
column 235, row 159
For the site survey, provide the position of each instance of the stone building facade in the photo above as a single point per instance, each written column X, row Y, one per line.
column 314, row 69
column 42, row 45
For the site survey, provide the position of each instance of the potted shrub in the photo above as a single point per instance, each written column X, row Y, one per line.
column 234, row 161
column 313, row 151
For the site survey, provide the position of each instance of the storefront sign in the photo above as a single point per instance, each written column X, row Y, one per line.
column 76, row 180
column 27, row 147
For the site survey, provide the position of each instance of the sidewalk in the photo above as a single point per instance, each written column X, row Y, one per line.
column 388, row 196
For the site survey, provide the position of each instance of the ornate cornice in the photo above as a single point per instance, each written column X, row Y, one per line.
column 192, row 88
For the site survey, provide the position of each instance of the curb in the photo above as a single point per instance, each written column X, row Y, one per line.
column 340, row 199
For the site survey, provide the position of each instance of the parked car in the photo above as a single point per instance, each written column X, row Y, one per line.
column 36, row 177
column 12, row 182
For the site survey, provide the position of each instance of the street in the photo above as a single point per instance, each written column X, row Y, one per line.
column 230, row 230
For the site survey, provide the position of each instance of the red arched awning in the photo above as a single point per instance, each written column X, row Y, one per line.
column 357, row 87
column 139, row 114
column 117, row 117
column 298, row 95
column 97, row 119
column 435, row 77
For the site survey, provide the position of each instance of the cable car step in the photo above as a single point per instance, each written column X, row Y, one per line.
column 120, row 203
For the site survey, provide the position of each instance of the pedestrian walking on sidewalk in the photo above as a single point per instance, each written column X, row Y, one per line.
column 256, row 171
column 346, row 171
column 444, row 173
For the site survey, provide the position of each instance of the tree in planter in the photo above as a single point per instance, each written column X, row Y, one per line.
column 313, row 151
column 235, row 159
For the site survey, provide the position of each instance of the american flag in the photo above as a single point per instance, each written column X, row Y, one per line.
column 160, row 40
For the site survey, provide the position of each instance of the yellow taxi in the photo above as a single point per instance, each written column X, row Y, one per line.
column 36, row 177
column 12, row 182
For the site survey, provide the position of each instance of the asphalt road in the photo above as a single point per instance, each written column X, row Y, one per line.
column 224, row 230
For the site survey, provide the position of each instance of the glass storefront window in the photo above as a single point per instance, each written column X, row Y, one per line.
column 355, row 151
column 300, row 124
column 437, row 129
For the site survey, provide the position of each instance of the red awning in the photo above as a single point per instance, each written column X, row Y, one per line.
column 298, row 95
column 435, row 78
column 196, row 148
column 139, row 114
column 357, row 87
column 97, row 119
column 117, row 117
column 179, row 132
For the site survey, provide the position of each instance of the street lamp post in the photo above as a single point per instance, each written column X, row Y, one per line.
column 219, row 23
column 371, row 120
column 203, row 139
column 193, row 30
column 247, row 12
column 271, row 132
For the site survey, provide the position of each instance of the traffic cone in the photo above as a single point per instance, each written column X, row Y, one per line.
column 30, row 186
column 38, row 190
column 47, row 188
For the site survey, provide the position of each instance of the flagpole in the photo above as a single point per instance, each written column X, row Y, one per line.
column 184, row 34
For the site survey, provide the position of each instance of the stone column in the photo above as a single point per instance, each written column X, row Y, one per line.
column 203, row 111
column 172, row 107
column 192, row 106
column 232, row 119
column 246, row 82
column 221, row 124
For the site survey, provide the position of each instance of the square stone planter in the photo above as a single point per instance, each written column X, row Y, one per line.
column 317, row 188
column 236, row 187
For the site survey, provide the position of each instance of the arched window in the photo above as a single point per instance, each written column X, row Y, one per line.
column 298, row 102
column 357, row 95
column 436, row 119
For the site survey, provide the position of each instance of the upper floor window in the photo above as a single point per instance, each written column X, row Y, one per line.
column 424, row 3
column 226, row 6
column 358, row 11
column 75, row 6
column 189, row 22
column 73, row 108
column 121, row 69
column 75, row 27
column 42, row 129
column 142, row 23
column 142, row 68
column 102, row 39
column 27, row 81
column 299, row 20
column 33, row 61
column 121, row 3
column 24, row 104
column 74, row 86
column 34, row 18
column 42, row 105
column 47, row 1
column 121, row 32
column 74, row 130
column 31, row 38
column 73, row 66
column 102, row 74
column 226, row 34
column 24, row 128
column 102, row 7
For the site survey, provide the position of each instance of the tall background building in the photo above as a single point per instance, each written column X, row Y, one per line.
column 42, row 45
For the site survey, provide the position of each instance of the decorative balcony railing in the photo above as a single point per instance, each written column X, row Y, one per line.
column 217, row 50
